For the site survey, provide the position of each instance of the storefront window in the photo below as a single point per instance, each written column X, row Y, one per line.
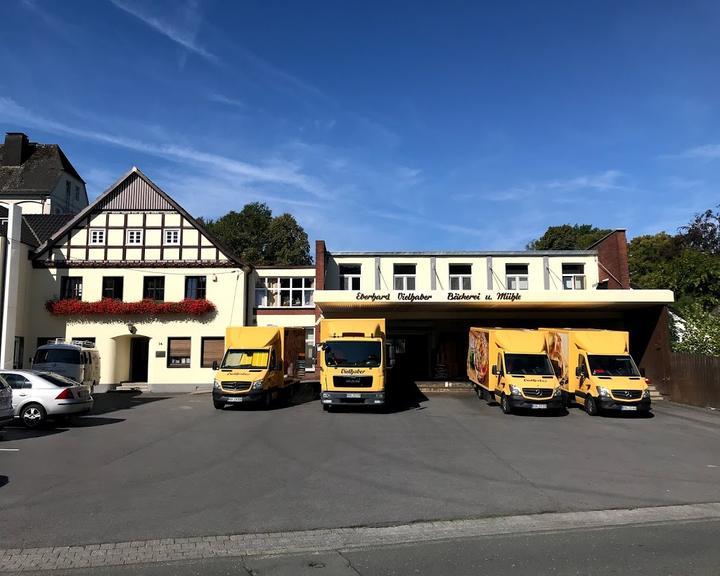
column 284, row 292
column 573, row 276
column 404, row 276
column 516, row 276
column 460, row 276
column 350, row 276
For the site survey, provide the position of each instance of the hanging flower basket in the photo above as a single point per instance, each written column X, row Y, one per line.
column 110, row 307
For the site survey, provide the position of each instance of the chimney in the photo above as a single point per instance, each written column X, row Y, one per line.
column 16, row 149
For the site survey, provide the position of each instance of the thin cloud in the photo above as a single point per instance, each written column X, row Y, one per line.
column 182, row 37
column 222, row 99
column 705, row 152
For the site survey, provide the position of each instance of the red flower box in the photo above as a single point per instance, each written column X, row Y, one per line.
column 108, row 306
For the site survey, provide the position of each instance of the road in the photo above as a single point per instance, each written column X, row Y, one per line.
column 149, row 467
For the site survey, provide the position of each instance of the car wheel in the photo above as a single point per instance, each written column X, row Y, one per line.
column 505, row 404
column 591, row 406
column 33, row 415
column 218, row 405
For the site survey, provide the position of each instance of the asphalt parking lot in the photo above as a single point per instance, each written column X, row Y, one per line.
column 154, row 466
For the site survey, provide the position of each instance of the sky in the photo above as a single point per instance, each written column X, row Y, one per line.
column 392, row 125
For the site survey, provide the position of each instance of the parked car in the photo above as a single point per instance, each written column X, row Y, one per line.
column 78, row 360
column 6, row 405
column 37, row 396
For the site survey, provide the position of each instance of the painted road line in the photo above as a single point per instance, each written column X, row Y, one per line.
column 340, row 539
column 9, row 449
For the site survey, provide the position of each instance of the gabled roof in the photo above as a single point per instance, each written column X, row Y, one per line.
column 134, row 191
column 36, row 228
column 38, row 174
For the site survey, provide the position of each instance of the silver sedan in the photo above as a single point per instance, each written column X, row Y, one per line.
column 38, row 396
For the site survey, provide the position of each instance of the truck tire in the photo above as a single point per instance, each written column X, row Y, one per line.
column 327, row 407
column 267, row 400
column 218, row 405
column 591, row 406
column 505, row 404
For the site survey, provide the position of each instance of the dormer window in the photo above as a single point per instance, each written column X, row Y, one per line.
column 573, row 276
column 134, row 236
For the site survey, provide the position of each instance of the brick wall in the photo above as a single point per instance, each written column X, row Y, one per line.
column 613, row 260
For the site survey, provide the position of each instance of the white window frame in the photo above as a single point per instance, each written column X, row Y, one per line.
column 516, row 281
column 408, row 282
column 93, row 240
column 461, row 279
column 171, row 231
column 285, row 288
column 130, row 231
column 573, row 281
column 347, row 280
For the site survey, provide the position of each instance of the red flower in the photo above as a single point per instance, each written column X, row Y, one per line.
column 110, row 307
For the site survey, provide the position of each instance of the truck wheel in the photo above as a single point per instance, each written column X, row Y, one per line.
column 505, row 404
column 480, row 392
column 218, row 405
column 327, row 407
column 591, row 406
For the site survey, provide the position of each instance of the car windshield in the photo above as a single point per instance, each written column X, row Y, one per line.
column 344, row 353
column 56, row 379
column 235, row 358
column 528, row 365
column 57, row 356
column 612, row 365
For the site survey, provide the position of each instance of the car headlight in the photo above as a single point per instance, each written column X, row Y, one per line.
column 558, row 391
column 257, row 385
column 216, row 384
column 646, row 393
column 514, row 390
column 603, row 392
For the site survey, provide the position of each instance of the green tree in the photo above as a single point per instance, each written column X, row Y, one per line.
column 288, row 242
column 568, row 237
column 256, row 237
column 697, row 331
column 703, row 233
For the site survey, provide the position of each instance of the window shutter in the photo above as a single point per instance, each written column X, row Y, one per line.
column 213, row 350
column 180, row 347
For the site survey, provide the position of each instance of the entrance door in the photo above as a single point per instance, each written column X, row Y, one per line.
column 139, row 348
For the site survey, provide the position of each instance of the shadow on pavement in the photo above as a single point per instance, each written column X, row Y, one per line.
column 112, row 401
column 297, row 395
column 3, row 480
column 627, row 415
column 401, row 397
column 18, row 432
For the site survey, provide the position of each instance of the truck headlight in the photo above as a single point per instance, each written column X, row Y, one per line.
column 216, row 384
column 558, row 391
column 603, row 392
column 514, row 390
column 646, row 393
column 257, row 385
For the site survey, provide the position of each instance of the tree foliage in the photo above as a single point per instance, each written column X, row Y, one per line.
column 258, row 238
column 703, row 233
column 698, row 331
column 568, row 237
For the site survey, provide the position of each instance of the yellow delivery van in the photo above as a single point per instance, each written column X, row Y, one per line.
column 354, row 364
column 596, row 370
column 511, row 366
column 259, row 363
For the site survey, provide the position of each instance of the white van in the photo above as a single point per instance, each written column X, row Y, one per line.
column 78, row 360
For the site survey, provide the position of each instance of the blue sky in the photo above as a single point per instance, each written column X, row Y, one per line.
column 388, row 125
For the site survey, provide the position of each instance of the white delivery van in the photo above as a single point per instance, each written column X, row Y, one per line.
column 78, row 360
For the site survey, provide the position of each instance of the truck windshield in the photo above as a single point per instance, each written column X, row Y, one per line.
column 57, row 356
column 344, row 353
column 612, row 365
column 245, row 359
column 528, row 364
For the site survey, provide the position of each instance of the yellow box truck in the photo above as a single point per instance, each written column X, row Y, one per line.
column 353, row 362
column 511, row 366
column 259, row 363
column 596, row 370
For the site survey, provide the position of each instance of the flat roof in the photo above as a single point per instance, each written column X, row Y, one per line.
column 466, row 253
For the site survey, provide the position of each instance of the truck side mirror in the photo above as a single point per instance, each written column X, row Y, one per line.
column 579, row 371
column 494, row 370
column 215, row 365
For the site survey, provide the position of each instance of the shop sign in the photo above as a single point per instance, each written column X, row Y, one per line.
column 438, row 296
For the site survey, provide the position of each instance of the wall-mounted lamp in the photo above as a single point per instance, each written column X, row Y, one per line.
column 131, row 328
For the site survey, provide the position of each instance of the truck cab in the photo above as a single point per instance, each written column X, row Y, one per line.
column 597, row 371
column 353, row 363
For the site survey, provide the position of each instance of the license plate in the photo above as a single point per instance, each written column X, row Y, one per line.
column 235, row 399
column 538, row 406
column 628, row 407
column 351, row 395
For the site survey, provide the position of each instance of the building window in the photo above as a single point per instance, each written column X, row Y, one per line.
column 172, row 236
column 97, row 236
column 404, row 277
column 154, row 288
column 134, row 236
column 195, row 287
column 350, row 276
column 516, row 276
column 77, row 192
column 573, row 276
column 309, row 349
column 212, row 350
column 284, row 292
column 178, row 353
column 112, row 287
column 460, row 276
column 71, row 287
